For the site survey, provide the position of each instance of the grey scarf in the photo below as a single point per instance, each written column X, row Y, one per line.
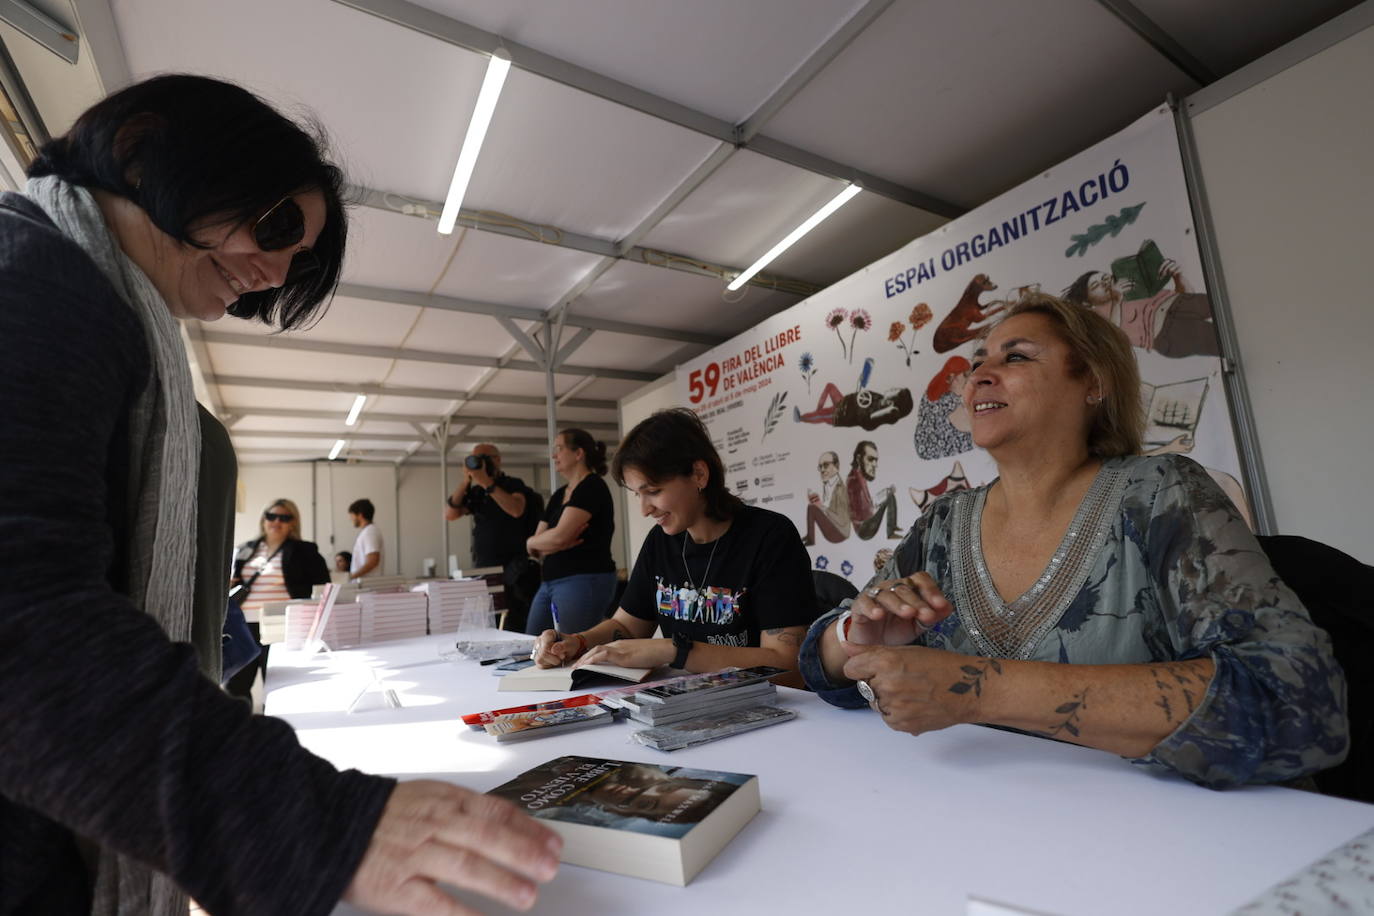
column 164, row 440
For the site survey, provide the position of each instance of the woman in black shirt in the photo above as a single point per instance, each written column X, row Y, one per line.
column 574, row 540
column 729, row 584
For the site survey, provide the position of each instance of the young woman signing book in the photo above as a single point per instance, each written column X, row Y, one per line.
column 729, row 584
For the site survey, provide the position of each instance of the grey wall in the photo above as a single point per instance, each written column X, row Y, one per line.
column 1287, row 153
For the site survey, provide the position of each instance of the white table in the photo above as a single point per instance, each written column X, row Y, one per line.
column 857, row 818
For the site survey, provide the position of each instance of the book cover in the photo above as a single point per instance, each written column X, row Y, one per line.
column 1173, row 410
column 700, row 684
column 711, row 727
column 521, row 725
column 1141, row 270
column 646, row 820
column 566, row 678
column 712, row 704
column 477, row 720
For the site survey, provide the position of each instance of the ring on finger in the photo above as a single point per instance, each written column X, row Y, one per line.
column 874, row 592
column 866, row 691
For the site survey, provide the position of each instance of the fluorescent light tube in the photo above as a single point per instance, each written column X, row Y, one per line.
column 472, row 143
column 356, row 409
column 338, row 447
column 814, row 220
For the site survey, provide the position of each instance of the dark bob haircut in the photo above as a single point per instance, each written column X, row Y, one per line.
column 669, row 444
column 195, row 152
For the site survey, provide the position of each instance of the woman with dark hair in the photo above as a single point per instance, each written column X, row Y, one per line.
column 128, row 778
column 1088, row 594
column 274, row 566
column 573, row 540
column 729, row 584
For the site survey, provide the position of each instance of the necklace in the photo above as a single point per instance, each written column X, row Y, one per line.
column 706, row 575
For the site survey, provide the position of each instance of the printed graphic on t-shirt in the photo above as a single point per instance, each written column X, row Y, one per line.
column 711, row 614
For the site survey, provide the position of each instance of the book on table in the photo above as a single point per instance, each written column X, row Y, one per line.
column 646, row 820
column 711, row 727
column 664, row 713
column 546, row 722
column 568, row 678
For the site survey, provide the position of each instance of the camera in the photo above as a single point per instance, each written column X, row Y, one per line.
column 473, row 462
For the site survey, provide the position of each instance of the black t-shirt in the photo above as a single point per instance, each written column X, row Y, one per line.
column 593, row 555
column 758, row 579
column 497, row 537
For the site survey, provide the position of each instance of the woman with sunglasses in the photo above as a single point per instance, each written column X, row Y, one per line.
column 128, row 779
column 274, row 566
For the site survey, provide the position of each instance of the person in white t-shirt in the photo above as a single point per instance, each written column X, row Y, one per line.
column 367, row 549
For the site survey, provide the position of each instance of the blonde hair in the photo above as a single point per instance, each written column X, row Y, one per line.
column 292, row 533
column 1101, row 348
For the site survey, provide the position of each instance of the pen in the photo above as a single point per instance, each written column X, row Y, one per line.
column 553, row 612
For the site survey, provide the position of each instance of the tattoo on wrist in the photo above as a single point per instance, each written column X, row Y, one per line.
column 1071, row 711
column 1176, row 682
column 973, row 677
column 618, row 633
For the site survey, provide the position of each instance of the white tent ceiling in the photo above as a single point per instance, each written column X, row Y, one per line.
column 642, row 150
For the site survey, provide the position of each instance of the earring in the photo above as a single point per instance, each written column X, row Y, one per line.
column 1094, row 399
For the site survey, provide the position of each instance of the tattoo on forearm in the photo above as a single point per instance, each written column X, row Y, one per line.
column 1175, row 682
column 1071, row 711
column 973, row 676
column 618, row 634
column 784, row 637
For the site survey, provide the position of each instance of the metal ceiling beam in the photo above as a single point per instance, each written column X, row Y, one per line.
column 57, row 37
column 421, row 356
column 291, row 413
column 1160, row 40
column 526, row 230
column 495, row 310
column 353, row 434
column 402, row 391
column 452, row 31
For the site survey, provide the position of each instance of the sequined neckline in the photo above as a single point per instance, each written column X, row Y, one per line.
column 1012, row 629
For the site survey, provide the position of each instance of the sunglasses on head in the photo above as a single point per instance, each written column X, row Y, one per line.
column 278, row 516
column 281, row 227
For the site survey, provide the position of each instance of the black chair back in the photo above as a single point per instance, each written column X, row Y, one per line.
column 1336, row 588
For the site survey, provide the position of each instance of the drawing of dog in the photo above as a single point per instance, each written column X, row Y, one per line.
column 958, row 326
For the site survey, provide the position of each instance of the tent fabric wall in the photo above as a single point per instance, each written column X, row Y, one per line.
column 1284, row 164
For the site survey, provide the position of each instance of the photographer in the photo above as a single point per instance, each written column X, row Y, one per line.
column 504, row 513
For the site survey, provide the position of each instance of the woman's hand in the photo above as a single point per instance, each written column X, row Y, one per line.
column 433, row 832
column 917, row 689
column 552, row 652
column 630, row 653
column 895, row 612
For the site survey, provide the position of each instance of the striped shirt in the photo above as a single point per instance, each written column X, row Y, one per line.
column 269, row 586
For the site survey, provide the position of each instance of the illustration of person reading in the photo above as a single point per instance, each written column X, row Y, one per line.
column 867, row 514
column 865, row 407
column 1135, row 297
column 828, row 510
column 942, row 422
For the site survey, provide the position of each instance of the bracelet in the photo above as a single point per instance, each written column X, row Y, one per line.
column 581, row 639
column 842, row 627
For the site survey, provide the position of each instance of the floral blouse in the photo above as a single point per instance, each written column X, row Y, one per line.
column 1157, row 566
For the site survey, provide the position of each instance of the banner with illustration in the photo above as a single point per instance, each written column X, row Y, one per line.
column 844, row 412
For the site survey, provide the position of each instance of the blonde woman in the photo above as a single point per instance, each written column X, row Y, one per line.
column 276, row 565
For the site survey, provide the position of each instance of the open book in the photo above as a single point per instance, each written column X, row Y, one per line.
column 1142, row 269
column 647, row 820
column 1172, row 410
column 567, row 678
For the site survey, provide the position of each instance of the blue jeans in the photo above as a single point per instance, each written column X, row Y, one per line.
column 583, row 601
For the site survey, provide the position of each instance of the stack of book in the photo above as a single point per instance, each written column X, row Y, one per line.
column 690, row 698
column 456, row 604
column 342, row 629
column 392, row 615
column 711, row 726
column 545, row 722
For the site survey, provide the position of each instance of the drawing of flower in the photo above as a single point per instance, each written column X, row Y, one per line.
column 920, row 316
column 833, row 322
column 846, row 567
column 808, row 368
column 822, row 561
column 859, row 320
